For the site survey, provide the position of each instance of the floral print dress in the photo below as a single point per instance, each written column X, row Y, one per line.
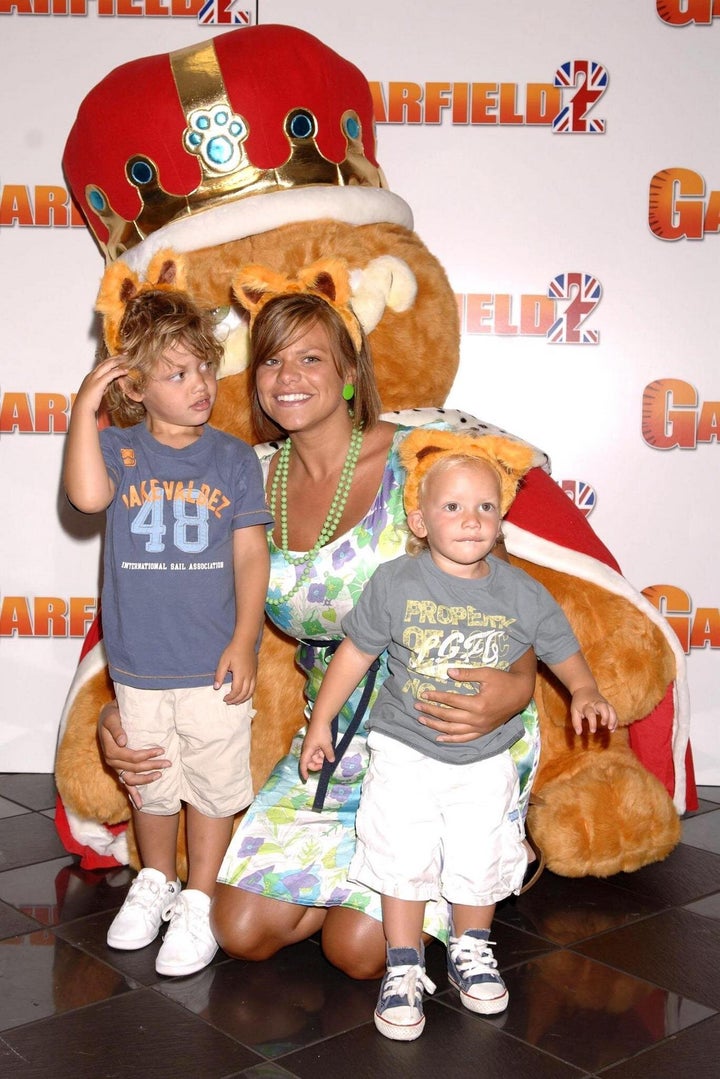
column 283, row 848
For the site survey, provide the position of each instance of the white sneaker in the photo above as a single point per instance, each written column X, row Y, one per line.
column 148, row 903
column 189, row 944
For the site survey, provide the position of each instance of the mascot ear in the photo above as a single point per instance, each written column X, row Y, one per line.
column 120, row 285
column 167, row 270
column 254, row 286
column 510, row 460
column 330, row 278
column 515, row 458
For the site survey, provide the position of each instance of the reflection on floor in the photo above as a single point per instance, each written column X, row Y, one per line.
column 619, row 978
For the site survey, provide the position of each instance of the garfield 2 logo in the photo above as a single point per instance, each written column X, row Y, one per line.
column 674, row 418
column 684, row 12
column 693, row 628
column 679, row 206
column 565, row 104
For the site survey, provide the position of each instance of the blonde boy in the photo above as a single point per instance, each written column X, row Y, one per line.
column 441, row 819
column 185, row 577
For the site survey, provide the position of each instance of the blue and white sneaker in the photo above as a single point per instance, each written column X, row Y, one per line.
column 399, row 1011
column 472, row 968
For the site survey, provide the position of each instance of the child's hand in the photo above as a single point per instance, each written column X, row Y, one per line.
column 317, row 748
column 242, row 661
column 93, row 386
column 588, row 703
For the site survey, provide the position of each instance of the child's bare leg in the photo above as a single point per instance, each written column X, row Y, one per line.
column 465, row 918
column 207, row 840
column 189, row 944
column 155, row 889
column 157, row 841
column 402, row 922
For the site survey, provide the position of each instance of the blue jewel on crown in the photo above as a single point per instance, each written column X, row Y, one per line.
column 216, row 135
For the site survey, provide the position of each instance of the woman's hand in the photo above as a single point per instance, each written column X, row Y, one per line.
column 135, row 767
column 463, row 717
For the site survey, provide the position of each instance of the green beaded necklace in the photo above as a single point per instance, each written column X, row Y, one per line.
column 334, row 514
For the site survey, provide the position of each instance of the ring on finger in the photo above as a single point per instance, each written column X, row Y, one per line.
column 121, row 773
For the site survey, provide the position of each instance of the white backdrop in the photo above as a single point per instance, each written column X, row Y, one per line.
column 505, row 202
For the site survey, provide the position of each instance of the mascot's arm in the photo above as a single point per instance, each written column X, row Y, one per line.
column 546, row 530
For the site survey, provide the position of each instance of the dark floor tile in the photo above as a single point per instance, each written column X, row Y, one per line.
column 693, row 1052
column 586, row 1013
column 27, row 839
column 687, row 874
column 565, row 909
column 268, row 1070
column 13, row 922
column 709, row 907
column 674, row 949
column 11, row 809
column 131, row 1037
column 514, row 945
column 60, row 891
column 36, row 791
column 42, row 975
column 455, row 1045
column 604, row 979
column 703, row 831
column 90, row 934
column 704, row 806
column 290, row 1001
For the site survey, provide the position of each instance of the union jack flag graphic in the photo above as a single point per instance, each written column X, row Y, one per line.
column 581, row 493
column 584, row 292
column 590, row 81
column 225, row 13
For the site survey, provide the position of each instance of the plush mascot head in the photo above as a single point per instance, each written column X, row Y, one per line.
column 242, row 162
column 258, row 148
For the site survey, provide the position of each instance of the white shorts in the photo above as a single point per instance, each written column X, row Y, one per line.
column 428, row 829
column 207, row 740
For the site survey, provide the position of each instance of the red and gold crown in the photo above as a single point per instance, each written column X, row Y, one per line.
column 225, row 139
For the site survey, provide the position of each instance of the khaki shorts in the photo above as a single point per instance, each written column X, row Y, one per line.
column 427, row 829
column 207, row 741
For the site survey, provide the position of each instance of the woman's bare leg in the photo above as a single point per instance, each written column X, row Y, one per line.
column 254, row 927
column 354, row 942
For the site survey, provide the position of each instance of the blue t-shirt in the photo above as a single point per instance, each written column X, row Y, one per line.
column 168, row 597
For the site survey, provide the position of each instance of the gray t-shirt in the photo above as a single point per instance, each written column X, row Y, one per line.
column 429, row 621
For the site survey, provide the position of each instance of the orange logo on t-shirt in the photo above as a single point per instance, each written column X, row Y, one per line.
column 128, row 458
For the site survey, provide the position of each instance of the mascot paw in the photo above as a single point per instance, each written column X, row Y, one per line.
column 610, row 816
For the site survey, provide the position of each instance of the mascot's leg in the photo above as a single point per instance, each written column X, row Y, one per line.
column 596, row 809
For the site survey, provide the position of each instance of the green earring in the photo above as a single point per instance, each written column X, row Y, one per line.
column 348, row 391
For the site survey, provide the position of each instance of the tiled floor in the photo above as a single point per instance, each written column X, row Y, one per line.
column 619, row 978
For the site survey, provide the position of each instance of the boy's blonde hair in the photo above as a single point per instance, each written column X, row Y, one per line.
column 154, row 321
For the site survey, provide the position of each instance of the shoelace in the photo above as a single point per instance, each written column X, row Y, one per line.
column 473, row 957
column 143, row 893
column 405, row 982
column 181, row 915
